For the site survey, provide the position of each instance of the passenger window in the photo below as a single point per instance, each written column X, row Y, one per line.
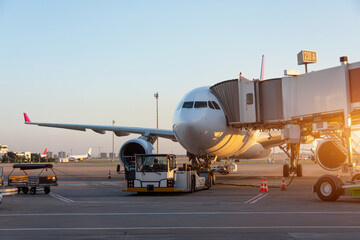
column 211, row 105
column 216, row 105
column 249, row 98
column 188, row 105
column 201, row 104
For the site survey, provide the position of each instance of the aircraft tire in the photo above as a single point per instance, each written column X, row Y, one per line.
column 46, row 190
column 299, row 170
column 286, row 170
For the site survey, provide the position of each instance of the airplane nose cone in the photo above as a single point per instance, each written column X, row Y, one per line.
column 193, row 136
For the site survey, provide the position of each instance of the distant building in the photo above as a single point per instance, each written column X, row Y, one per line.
column 27, row 155
column 111, row 155
column 61, row 160
column 3, row 150
column 103, row 155
column 62, row 155
column 50, row 154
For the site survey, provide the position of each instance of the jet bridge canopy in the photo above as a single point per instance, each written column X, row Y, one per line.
column 250, row 101
column 328, row 95
column 228, row 94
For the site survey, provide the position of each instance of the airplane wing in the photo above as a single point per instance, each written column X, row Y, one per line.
column 119, row 131
column 271, row 141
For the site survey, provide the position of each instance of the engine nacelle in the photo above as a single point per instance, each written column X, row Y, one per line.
column 329, row 156
column 132, row 147
column 255, row 151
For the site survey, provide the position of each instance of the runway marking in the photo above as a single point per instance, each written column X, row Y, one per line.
column 179, row 228
column 173, row 213
column 256, row 198
column 73, row 184
column 61, row 198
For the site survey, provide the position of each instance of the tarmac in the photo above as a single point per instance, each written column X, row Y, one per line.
column 88, row 205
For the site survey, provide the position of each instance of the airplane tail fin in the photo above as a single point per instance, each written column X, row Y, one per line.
column 27, row 119
column 44, row 151
column 89, row 152
column 262, row 68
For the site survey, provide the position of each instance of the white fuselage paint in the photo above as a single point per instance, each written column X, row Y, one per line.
column 204, row 131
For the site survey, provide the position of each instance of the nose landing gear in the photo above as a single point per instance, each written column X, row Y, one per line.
column 293, row 155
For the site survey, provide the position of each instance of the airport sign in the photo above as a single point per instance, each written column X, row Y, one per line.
column 305, row 57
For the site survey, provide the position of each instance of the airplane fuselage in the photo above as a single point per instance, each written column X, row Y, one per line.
column 200, row 126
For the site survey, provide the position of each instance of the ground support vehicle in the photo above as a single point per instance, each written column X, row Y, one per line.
column 225, row 169
column 33, row 180
column 330, row 188
column 159, row 173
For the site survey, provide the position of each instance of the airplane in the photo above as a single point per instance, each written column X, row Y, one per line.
column 44, row 153
column 80, row 157
column 199, row 125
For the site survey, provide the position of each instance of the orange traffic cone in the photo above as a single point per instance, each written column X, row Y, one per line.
column 266, row 189
column 283, row 185
column 262, row 185
column 109, row 176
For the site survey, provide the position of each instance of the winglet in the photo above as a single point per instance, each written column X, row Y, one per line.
column 262, row 67
column 27, row 119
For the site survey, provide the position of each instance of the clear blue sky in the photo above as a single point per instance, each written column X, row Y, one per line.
column 94, row 61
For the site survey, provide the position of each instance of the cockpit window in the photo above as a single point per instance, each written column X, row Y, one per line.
column 216, row 105
column 201, row 104
column 188, row 105
column 211, row 105
column 179, row 106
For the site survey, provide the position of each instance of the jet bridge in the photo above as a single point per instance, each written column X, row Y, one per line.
column 320, row 104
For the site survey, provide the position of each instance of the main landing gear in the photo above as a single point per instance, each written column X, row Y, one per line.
column 292, row 150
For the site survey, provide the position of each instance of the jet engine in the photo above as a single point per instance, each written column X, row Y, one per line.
column 132, row 147
column 255, row 151
column 329, row 156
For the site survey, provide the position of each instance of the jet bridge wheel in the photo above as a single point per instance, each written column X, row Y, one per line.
column 286, row 170
column 327, row 188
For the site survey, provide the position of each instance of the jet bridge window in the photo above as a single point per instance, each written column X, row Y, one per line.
column 188, row 105
column 201, row 104
column 249, row 98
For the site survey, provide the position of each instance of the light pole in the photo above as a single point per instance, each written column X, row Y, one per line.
column 156, row 95
column 113, row 142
